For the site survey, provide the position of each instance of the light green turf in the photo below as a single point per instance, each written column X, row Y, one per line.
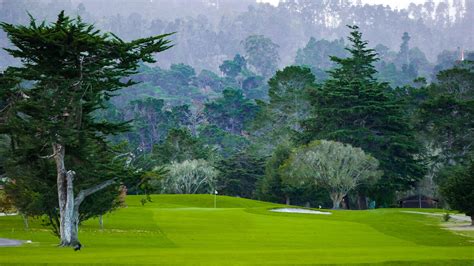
column 177, row 229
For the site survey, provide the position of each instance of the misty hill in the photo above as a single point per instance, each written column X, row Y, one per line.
column 210, row 31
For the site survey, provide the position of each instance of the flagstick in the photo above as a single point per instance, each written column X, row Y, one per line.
column 215, row 199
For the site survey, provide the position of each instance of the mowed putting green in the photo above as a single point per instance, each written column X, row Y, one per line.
column 186, row 229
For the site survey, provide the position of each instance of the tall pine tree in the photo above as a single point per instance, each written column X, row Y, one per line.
column 353, row 107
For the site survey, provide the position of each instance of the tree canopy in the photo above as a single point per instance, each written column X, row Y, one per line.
column 458, row 189
column 336, row 166
column 69, row 70
column 353, row 107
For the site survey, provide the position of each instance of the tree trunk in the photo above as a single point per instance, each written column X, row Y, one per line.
column 336, row 198
column 287, row 200
column 75, row 228
column 58, row 153
column 362, row 201
column 65, row 184
column 472, row 220
column 68, row 205
column 25, row 221
column 346, row 202
column 101, row 222
column 69, row 219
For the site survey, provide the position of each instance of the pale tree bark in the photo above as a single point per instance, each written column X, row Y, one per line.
column 336, row 198
column 77, row 203
column 25, row 221
column 68, row 204
column 59, row 153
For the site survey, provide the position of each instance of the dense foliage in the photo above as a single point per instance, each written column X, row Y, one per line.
column 335, row 166
column 190, row 177
column 353, row 107
column 457, row 189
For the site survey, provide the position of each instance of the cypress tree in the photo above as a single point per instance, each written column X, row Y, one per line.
column 69, row 70
column 353, row 107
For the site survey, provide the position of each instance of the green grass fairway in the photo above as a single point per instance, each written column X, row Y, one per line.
column 186, row 229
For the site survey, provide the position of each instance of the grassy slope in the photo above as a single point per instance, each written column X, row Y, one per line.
column 187, row 230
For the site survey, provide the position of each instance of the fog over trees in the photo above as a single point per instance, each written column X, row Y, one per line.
column 210, row 31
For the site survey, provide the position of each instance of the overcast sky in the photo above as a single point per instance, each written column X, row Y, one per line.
column 392, row 3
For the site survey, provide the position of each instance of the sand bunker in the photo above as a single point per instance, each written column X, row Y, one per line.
column 296, row 210
column 459, row 217
column 4, row 242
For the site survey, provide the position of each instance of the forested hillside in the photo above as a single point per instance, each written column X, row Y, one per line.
column 211, row 31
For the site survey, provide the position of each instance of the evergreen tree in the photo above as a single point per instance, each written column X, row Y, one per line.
column 288, row 105
column 445, row 117
column 403, row 55
column 316, row 55
column 224, row 143
column 458, row 189
column 179, row 146
column 353, row 107
column 69, row 71
column 240, row 174
column 232, row 68
column 147, row 117
column 262, row 54
column 271, row 187
column 232, row 112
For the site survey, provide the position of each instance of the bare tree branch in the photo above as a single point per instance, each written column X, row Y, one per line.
column 86, row 192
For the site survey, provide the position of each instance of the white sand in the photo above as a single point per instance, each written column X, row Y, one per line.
column 4, row 242
column 296, row 210
column 459, row 217
column 8, row 214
